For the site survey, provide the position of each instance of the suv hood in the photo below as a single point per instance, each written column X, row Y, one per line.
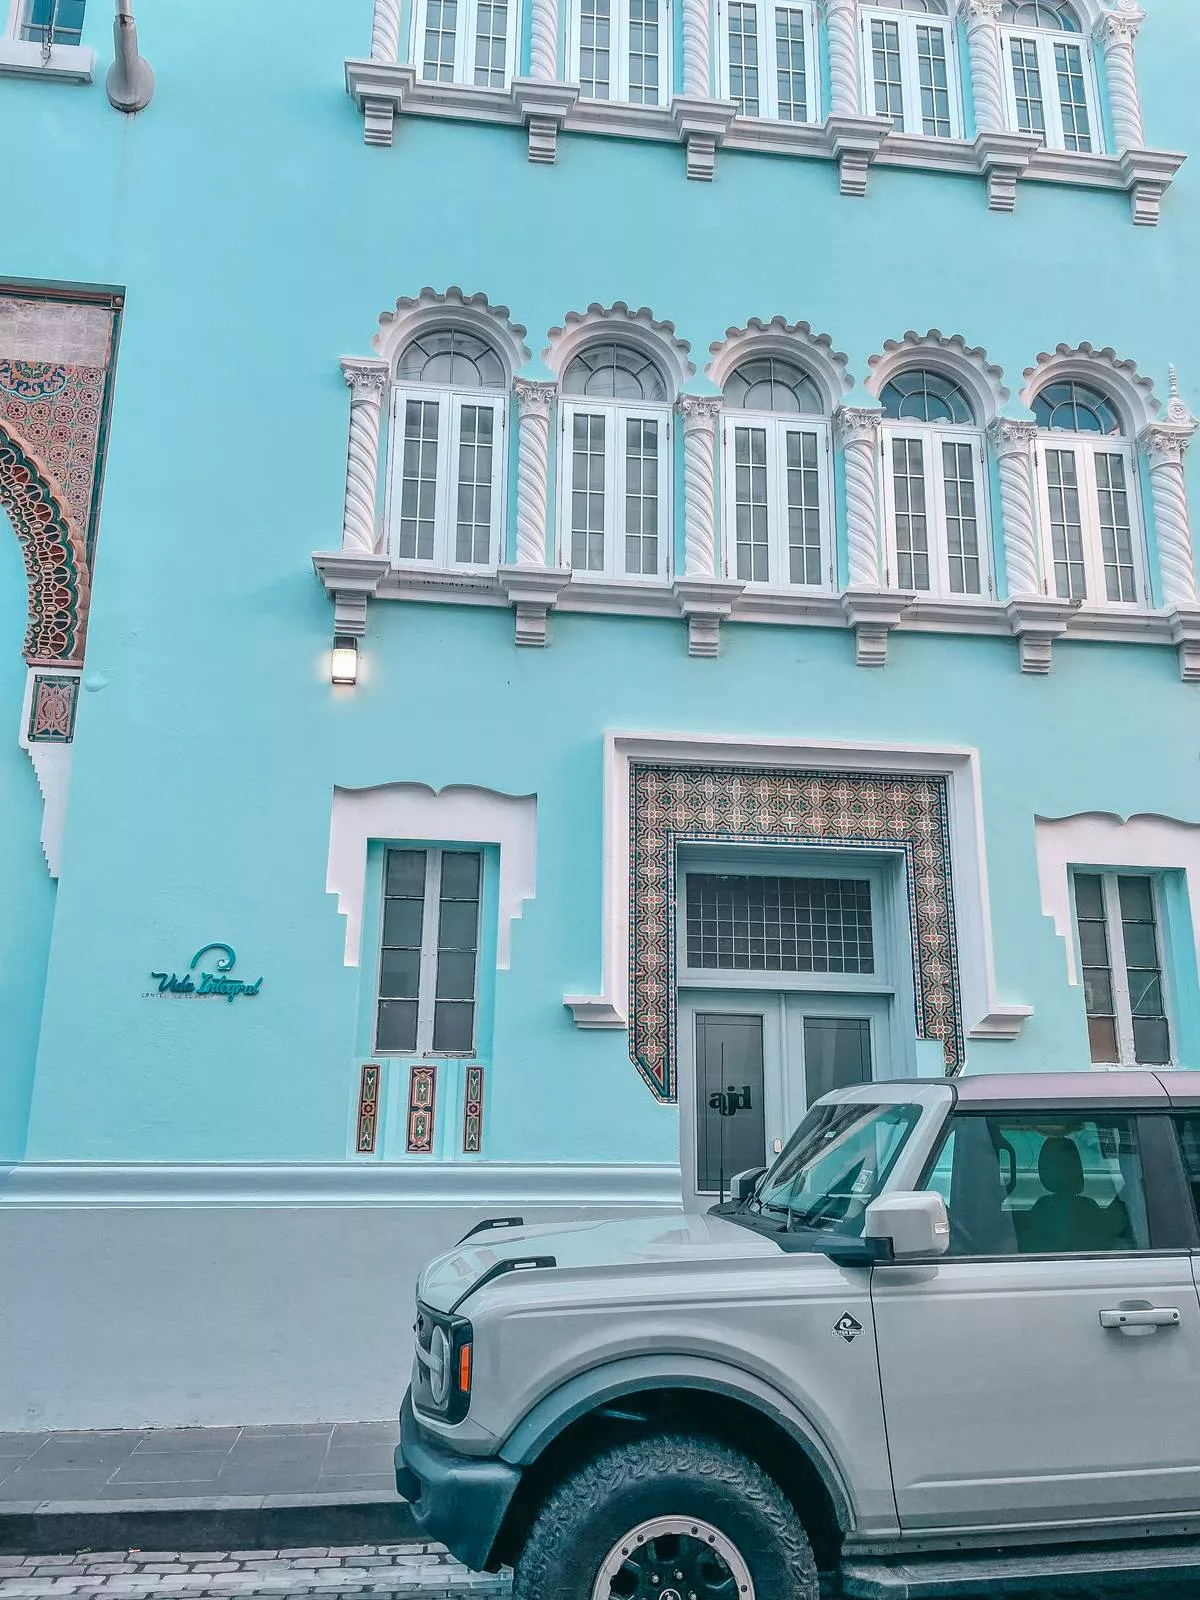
column 628, row 1241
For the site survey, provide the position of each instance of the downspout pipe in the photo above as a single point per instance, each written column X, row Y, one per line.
column 130, row 80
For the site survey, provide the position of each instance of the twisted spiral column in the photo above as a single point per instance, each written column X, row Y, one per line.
column 1013, row 445
column 697, row 49
column 859, row 430
column 1165, row 446
column 533, row 469
column 700, row 414
column 543, row 27
column 841, row 21
column 385, row 31
column 1116, row 31
column 982, row 18
column 368, row 381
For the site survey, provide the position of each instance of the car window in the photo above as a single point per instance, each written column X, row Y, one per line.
column 835, row 1164
column 1189, row 1139
column 1042, row 1185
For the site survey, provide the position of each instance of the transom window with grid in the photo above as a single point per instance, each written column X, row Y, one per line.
column 50, row 21
column 1092, row 542
column 1049, row 74
column 1120, row 952
column 935, row 490
column 751, row 923
column 429, row 952
column 614, row 465
column 910, row 68
column 466, row 41
column 620, row 50
column 768, row 58
column 446, row 485
column 775, row 493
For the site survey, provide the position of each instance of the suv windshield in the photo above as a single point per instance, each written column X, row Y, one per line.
column 834, row 1165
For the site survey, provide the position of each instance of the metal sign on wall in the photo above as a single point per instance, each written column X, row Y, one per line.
column 218, row 984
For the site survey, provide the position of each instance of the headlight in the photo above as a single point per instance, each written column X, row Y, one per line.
column 444, row 1349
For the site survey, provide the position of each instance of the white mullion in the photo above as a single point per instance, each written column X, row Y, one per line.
column 464, row 41
column 768, row 75
column 614, row 482
column 664, row 562
column 910, row 74
column 983, row 525
column 935, row 518
column 445, row 533
column 891, row 555
column 618, row 59
column 779, row 574
column 1126, row 1049
column 427, row 981
column 729, row 427
column 394, row 483
column 829, row 549
column 1051, row 104
column 499, row 479
column 1089, row 507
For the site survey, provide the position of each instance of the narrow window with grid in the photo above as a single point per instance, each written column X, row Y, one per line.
column 1121, row 959
column 1116, row 532
column 885, row 65
column 779, row 924
column 766, row 62
column 429, row 952
column 643, row 51
column 1066, row 525
column 791, row 64
column 962, row 521
column 805, row 555
column 457, row 952
column 588, row 472
column 743, row 57
column 419, row 486
column 1027, row 86
column 1050, row 88
column 595, row 47
column 912, row 521
column 1072, row 97
column 475, row 474
column 909, row 67
column 751, row 504
column 441, row 26
column 934, row 82
column 641, row 496
column 491, row 44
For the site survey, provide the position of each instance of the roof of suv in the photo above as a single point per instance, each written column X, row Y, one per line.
column 1122, row 1087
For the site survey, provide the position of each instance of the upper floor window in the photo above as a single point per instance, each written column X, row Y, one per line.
column 934, row 486
column 447, row 451
column 619, row 50
column 1119, row 951
column 614, row 464
column 775, row 454
column 1050, row 78
column 768, row 58
column 51, row 21
column 908, row 53
column 1087, row 472
column 466, row 41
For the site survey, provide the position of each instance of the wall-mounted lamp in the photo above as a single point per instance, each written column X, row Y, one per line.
column 130, row 80
column 343, row 665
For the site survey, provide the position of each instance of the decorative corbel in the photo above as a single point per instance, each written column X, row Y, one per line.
column 873, row 613
column 1036, row 622
column 543, row 106
column 701, row 125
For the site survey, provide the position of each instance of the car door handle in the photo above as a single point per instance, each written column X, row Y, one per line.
column 1141, row 1317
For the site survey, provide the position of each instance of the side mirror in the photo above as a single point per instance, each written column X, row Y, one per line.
column 913, row 1224
column 742, row 1185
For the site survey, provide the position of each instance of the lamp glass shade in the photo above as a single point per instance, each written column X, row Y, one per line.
column 343, row 666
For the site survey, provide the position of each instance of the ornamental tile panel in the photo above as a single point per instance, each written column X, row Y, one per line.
column 472, row 1142
column 368, row 1111
column 673, row 805
column 52, row 710
column 422, row 1108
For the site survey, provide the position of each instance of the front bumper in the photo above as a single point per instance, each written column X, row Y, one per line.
column 460, row 1501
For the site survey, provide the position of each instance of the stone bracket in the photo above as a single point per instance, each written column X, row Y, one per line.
column 1003, row 158
column 379, row 89
column 1036, row 622
column 1185, row 636
column 544, row 107
column 873, row 613
column 1148, row 174
column 854, row 143
column 533, row 593
column 705, row 602
column 351, row 580
column 701, row 126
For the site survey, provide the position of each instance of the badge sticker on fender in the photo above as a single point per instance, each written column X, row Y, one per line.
column 847, row 1327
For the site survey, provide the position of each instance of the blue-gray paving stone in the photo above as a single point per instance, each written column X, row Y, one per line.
column 67, row 1483
column 188, row 1439
column 369, row 1458
column 277, row 1479
column 165, row 1466
column 358, row 1433
column 329, row 1483
column 96, row 1451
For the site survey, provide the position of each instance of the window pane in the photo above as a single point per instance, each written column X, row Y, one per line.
column 1066, row 524
column 491, row 43
column 454, row 1027
column 456, row 975
column 1116, row 535
column 750, row 504
column 1089, row 895
column 397, row 1026
column 460, row 874
column 790, row 66
column 1102, row 1041
column 1188, row 1128
column 399, row 974
column 459, row 924
column 803, row 507
column 1143, row 970
column 1068, row 68
column 837, row 1054
column 402, row 923
column 641, row 496
column 473, row 542
column 885, row 65
column 1025, row 1186
column 405, row 873
column 418, row 492
column 587, row 493
column 441, row 22
column 779, row 924
column 643, row 51
column 743, row 58
column 1027, row 86
column 67, row 21
column 934, row 82
column 1098, row 996
column 729, row 1051
column 962, row 525
column 912, row 527
column 595, row 43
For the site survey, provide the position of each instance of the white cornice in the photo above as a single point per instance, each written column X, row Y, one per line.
column 66, row 63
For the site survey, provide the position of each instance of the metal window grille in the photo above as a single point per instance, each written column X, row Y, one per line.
column 779, row 924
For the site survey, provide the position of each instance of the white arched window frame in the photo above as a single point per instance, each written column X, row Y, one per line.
column 1089, row 499
column 776, row 497
column 910, row 67
column 465, row 41
column 1049, row 71
column 768, row 58
column 620, row 50
column 935, row 489
column 614, row 465
column 447, row 447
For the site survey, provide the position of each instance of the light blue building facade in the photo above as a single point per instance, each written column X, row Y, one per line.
column 570, row 557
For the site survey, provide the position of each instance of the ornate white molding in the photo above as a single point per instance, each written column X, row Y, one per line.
column 841, row 22
column 1036, row 623
column 534, row 402
column 66, row 63
column 859, row 428
column 544, row 107
column 1004, row 158
column 1165, row 444
column 640, row 328
column 543, row 40
column 368, row 382
column 533, row 593
column 700, row 415
column 705, row 602
column 701, row 124
column 385, row 31
column 982, row 19
column 854, row 143
column 1116, row 31
column 451, row 308
column 52, row 762
column 1120, row 378
column 697, row 49
column 950, row 355
column 873, row 613
column 1012, row 444
column 794, row 341
column 351, row 578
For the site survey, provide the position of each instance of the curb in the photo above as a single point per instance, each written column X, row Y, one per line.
column 233, row 1522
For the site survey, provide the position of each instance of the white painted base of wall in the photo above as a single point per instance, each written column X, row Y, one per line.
column 166, row 1296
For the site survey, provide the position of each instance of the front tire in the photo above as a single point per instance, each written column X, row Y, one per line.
column 667, row 1518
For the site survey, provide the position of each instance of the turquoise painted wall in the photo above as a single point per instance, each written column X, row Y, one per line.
column 258, row 240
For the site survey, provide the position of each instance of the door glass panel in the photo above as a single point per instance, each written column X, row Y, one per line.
column 729, row 1073
column 837, row 1054
column 770, row 924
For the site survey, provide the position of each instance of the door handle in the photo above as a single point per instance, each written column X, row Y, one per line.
column 1140, row 1317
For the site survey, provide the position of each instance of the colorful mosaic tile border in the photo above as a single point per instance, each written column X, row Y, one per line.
column 368, row 1111
column 670, row 805
column 472, row 1141
column 55, row 558
column 422, row 1108
column 52, row 710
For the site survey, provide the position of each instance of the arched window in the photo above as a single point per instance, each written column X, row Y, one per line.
column 776, row 477
column 768, row 59
column 619, row 50
column 935, row 493
column 1092, row 543
column 446, row 484
column 909, row 60
column 614, row 464
column 466, row 41
column 1050, row 81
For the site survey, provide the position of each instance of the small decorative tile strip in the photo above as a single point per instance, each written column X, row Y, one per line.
column 473, row 1112
column 33, row 380
column 422, row 1103
column 368, row 1110
column 57, row 412
column 52, row 710
column 673, row 805
column 55, row 559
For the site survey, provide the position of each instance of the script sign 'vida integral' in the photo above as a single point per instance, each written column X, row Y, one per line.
column 218, row 985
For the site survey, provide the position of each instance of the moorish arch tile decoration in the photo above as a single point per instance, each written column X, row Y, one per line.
column 56, row 561
column 682, row 804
